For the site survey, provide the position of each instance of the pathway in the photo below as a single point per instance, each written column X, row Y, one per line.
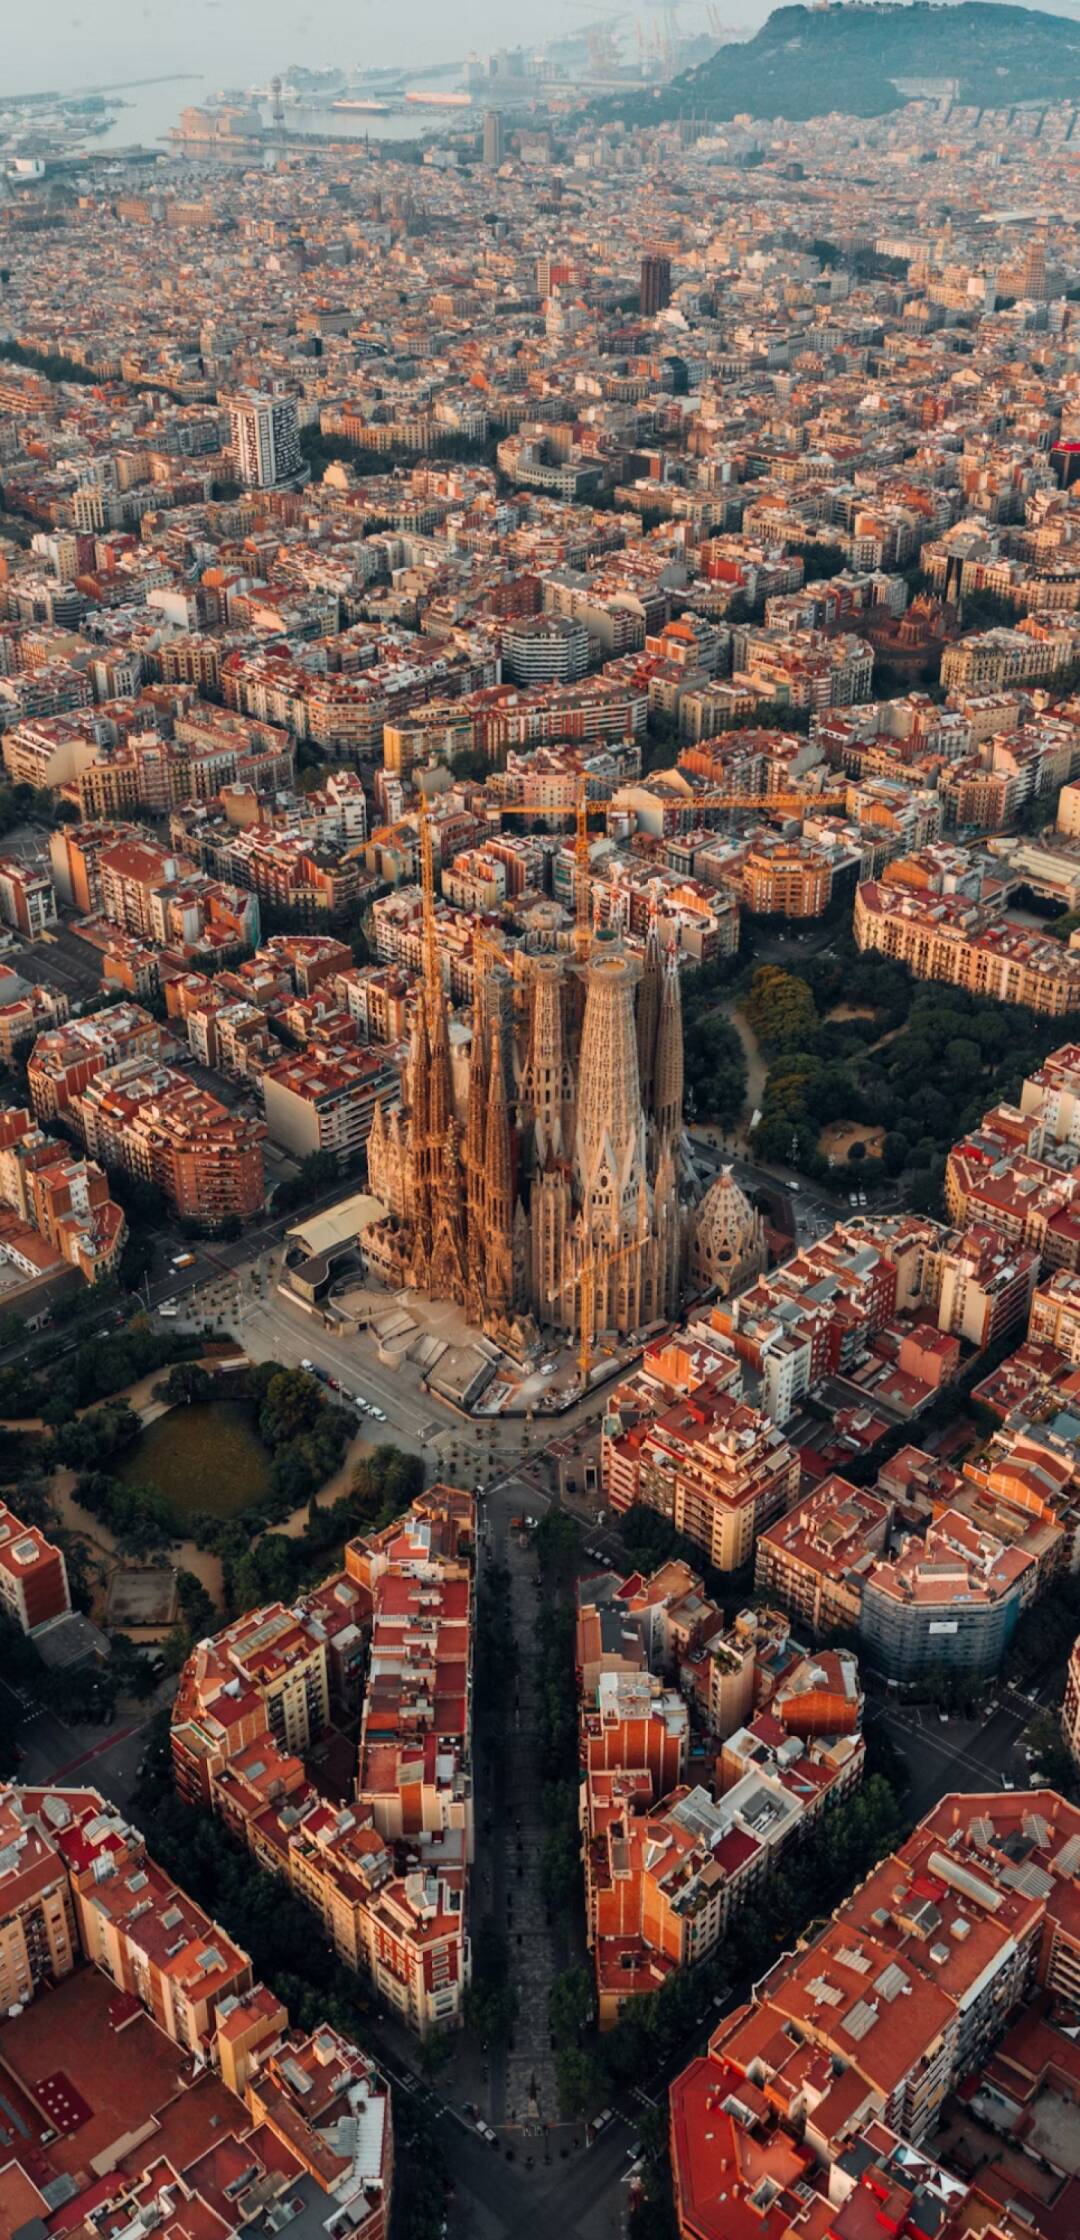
column 523, row 2087
column 757, row 1070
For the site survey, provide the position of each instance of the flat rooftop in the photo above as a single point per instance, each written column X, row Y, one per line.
column 127, row 2078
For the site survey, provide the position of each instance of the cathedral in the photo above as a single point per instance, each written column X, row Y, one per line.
column 554, row 1187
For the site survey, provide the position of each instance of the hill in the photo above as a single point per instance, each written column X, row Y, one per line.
column 866, row 60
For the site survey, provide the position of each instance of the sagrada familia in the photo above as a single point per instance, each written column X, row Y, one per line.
column 561, row 1186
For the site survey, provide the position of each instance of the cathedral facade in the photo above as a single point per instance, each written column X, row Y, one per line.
column 557, row 1196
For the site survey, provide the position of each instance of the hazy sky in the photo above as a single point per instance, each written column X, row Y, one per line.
column 86, row 42
column 80, row 43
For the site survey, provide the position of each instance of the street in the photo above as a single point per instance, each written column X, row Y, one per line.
column 54, row 1752
column 958, row 1754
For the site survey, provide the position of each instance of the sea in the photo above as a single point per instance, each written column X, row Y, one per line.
column 159, row 58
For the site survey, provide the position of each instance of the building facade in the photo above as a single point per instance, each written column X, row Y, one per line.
column 560, row 1202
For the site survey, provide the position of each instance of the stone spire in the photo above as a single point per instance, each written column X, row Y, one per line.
column 498, row 1185
column 609, row 1142
column 648, row 1012
column 668, row 1090
column 440, row 1098
column 475, row 1128
column 447, row 1275
column 419, row 1102
column 547, row 1088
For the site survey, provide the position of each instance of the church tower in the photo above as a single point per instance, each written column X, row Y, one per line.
column 648, row 1012
column 498, row 1187
column 547, row 1084
column 475, row 1131
column 447, row 1277
column 668, row 1090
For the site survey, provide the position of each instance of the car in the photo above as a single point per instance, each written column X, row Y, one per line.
column 361, row 1406
column 862, row 1197
column 378, row 1413
column 169, row 1313
column 309, row 1366
column 853, row 1198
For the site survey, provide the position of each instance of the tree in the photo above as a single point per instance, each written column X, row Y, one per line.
column 571, row 2004
column 578, row 2080
column 291, row 1406
column 558, row 1540
column 384, row 1485
column 781, row 1010
column 266, row 1572
column 188, row 1381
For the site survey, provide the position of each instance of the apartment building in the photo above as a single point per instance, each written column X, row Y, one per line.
column 33, row 1575
column 38, row 1939
column 717, row 1467
column 64, row 1200
column 817, row 1314
column 876, row 2019
column 949, row 1602
column 952, row 939
column 985, row 1286
column 43, row 747
column 25, row 1015
column 815, row 1560
column 668, row 1862
column 1054, row 1315
column 27, row 898
column 323, row 1098
column 196, row 2100
column 1052, row 1094
column 65, row 1060
column 387, row 1874
column 155, row 1122
column 789, row 878
column 1070, row 1708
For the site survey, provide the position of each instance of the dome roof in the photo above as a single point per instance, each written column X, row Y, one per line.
column 728, row 1243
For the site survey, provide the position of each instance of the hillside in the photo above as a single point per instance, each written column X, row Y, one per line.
column 865, row 60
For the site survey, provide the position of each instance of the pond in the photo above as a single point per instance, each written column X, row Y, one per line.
column 207, row 1457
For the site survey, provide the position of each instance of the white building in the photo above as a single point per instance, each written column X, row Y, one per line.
column 265, row 437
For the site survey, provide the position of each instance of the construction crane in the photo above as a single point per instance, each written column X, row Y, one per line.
column 597, row 1261
column 779, row 803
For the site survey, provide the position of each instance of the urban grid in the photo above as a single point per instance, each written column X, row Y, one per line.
column 540, row 1138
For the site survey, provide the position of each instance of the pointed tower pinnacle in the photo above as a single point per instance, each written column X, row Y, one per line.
column 547, row 1089
column 498, row 1184
column 475, row 1128
column 668, row 1092
column 648, row 1012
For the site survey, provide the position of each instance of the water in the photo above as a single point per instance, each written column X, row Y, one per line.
column 150, row 111
column 243, row 42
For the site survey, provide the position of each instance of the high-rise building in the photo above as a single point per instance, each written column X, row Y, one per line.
column 493, row 139
column 655, row 283
column 265, row 437
column 1031, row 272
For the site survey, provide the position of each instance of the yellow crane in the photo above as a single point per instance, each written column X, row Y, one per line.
column 786, row 803
column 780, row 802
column 598, row 1261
